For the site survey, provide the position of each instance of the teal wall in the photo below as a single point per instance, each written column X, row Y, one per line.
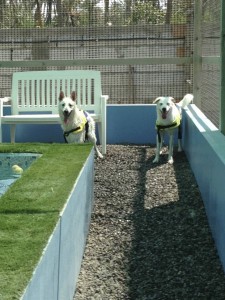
column 57, row 272
column 204, row 146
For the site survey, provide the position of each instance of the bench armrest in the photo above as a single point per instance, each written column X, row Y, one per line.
column 2, row 100
column 5, row 99
column 105, row 97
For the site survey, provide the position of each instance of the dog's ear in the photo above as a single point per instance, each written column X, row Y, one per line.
column 156, row 100
column 61, row 96
column 73, row 96
column 172, row 99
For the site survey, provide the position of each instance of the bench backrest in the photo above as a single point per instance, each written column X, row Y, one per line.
column 38, row 91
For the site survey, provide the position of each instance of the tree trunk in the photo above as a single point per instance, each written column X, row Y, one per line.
column 2, row 6
column 106, row 11
column 59, row 12
column 169, row 8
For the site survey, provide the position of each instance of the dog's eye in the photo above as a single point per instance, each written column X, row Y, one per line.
column 63, row 104
column 70, row 105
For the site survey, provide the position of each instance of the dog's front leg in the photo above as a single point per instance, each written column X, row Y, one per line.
column 93, row 139
column 158, row 148
column 170, row 155
column 97, row 151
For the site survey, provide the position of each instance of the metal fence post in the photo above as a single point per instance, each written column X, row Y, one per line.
column 197, row 55
column 222, row 68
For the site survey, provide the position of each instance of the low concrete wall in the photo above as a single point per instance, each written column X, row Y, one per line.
column 131, row 124
column 57, row 271
column 126, row 124
column 204, row 146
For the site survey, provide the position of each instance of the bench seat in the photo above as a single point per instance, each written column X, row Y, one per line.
column 37, row 119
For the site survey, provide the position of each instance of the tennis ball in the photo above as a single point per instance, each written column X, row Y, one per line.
column 17, row 169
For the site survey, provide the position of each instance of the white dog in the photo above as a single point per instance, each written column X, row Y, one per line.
column 78, row 126
column 169, row 119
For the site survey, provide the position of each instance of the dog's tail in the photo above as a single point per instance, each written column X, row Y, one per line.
column 188, row 98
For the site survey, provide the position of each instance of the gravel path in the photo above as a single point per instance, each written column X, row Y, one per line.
column 149, row 237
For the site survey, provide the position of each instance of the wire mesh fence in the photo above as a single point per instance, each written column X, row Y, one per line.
column 210, row 80
column 89, row 30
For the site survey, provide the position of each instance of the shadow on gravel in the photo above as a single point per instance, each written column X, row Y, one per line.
column 173, row 255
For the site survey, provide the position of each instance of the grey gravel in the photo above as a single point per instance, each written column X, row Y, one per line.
column 149, row 237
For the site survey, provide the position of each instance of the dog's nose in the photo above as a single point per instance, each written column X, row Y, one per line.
column 164, row 109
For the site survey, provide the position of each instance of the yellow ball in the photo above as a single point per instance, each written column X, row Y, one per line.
column 17, row 169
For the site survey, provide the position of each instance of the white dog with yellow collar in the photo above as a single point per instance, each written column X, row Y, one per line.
column 78, row 126
column 168, row 120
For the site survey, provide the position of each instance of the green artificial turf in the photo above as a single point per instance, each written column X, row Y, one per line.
column 30, row 208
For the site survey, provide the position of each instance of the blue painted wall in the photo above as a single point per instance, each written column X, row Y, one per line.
column 57, row 272
column 126, row 124
column 204, row 146
column 131, row 124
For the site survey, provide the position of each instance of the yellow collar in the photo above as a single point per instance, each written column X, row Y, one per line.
column 175, row 124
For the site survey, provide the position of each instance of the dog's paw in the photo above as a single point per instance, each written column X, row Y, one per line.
column 99, row 155
column 170, row 160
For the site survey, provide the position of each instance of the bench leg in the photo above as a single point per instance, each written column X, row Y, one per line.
column 12, row 133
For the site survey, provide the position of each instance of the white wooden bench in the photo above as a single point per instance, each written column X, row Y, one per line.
column 34, row 98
